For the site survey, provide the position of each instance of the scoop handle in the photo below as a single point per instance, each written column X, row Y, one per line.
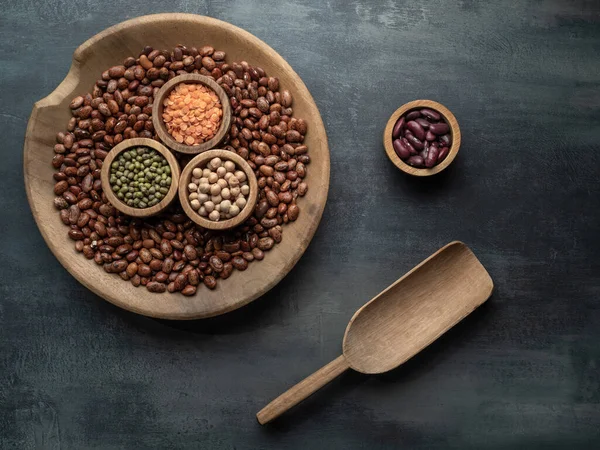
column 302, row 390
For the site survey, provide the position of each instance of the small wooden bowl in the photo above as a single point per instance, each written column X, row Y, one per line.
column 115, row 201
column 454, row 131
column 161, row 128
column 201, row 161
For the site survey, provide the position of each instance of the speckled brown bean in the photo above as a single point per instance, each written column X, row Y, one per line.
column 272, row 198
column 210, row 282
column 216, row 264
column 194, row 277
column 227, row 270
column 190, row 252
column 239, row 263
column 132, row 269
column 119, row 266
column 165, row 247
column 180, row 281
column 261, row 209
column 293, row 212
column 144, row 270
column 189, row 290
column 266, row 243
column 156, row 287
column 145, row 255
column 275, row 234
column 258, row 254
column 168, row 264
column 135, row 280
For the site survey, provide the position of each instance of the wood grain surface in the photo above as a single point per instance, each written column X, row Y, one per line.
column 51, row 114
column 521, row 372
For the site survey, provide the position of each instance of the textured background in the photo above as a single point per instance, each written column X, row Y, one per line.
column 523, row 79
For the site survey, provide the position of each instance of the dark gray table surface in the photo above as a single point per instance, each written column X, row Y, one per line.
column 523, row 79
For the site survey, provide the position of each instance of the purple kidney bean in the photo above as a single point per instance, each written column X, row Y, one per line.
column 401, row 150
column 422, row 138
column 398, row 128
column 423, row 153
column 424, row 123
column 439, row 128
column 416, row 143
column 416, row 129
column 410, row 148
column 442, row 155
column 446, row 140
column 430, row 114
column 431, row 158
column 415, row 161
column 413, row 115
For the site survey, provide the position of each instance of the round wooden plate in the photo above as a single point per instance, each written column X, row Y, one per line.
column 52, row 113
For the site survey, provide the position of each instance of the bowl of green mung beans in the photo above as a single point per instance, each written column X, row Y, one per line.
column 140, row 177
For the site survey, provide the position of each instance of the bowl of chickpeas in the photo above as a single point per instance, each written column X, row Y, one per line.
column 218, row 189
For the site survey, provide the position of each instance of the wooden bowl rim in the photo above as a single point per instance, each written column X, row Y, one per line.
column 159, row 124
column 454, row 130
column 173, row 308
column 203, row 158
column 115, row 201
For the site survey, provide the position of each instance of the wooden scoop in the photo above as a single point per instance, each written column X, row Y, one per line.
column 401, row 321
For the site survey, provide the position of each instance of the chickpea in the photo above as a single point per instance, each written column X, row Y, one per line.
column 245, row 189
column 234, row 182
column 215, row 189
column 240, row 175
column 225, row 193
column 216, row 199
column 193, row 196
column 235, row 192
column 202, row 180
column 206, row 172
column 221, row 171
column 204, row 188
column 234, row 210
column 202, row 198
column 240, row 202
column 202, row 211
column 197, row 172
column 215, row 163
column 225, row 205
column 229, row 166
column 192, row 187
column 222, row 183
column 218, row 207
column 213, row 178
column 209, row 206
column 214, row 216
column 227, row 176
column 195, row 204
column 195, row 180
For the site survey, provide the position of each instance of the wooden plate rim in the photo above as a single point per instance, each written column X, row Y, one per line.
column 63, row 90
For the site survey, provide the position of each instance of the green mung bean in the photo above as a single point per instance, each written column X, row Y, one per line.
column 140, row 177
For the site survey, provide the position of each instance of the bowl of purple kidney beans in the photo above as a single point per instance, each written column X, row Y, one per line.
column 422, row 138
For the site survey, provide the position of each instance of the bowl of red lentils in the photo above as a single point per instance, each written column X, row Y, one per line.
column 191, row 114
